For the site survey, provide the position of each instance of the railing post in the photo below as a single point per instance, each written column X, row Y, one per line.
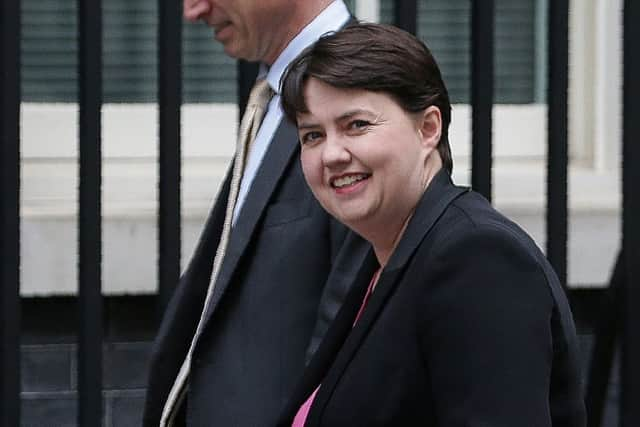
column 247, row 73
column 622, row 317
column 606, row 335
column 169, row 173
column 482, row 58
column 405, row 13
column 557, row 138
column 10, row 212
column 630, row 346
column 90, row 218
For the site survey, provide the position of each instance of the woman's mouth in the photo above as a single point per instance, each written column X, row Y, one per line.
column 348, row 180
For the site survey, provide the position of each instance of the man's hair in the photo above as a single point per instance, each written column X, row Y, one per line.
column 377, row 58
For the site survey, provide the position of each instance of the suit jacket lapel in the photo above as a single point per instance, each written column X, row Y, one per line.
column 354, row 337
column 280, row 152
column 201, row 262
column 333, row 340
column 438, row 196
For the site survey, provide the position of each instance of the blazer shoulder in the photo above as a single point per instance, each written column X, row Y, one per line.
column 471, row 214
column 472, row 237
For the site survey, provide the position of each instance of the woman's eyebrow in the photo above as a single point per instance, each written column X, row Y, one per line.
column 307, row 125
column 351, row 113
column 342, row 117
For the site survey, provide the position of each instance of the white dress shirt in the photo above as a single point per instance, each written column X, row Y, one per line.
column 332, row 18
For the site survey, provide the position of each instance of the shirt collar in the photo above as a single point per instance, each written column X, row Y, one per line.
column 332, row 18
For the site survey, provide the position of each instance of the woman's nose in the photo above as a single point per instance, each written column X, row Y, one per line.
column 335, row 152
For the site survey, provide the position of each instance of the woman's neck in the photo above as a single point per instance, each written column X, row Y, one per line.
column 385, row 245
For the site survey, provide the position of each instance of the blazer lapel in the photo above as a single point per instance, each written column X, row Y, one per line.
column 281, row 149
column 440, row 193
column 333, row 340
column 202, row 258
column 438, row 196
column 354, row 337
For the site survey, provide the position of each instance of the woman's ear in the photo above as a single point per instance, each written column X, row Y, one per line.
column 430, row 127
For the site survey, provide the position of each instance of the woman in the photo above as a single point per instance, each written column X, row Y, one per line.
column 461, row 321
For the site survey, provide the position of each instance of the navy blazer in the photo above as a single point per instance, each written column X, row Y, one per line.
column 468, row 326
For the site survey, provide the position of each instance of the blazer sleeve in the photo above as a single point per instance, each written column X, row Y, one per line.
column 485, row 330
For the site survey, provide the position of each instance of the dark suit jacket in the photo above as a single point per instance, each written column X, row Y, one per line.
column 264, row 307
column 468, row 326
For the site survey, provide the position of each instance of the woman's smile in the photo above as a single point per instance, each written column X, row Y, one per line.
column 348, row 183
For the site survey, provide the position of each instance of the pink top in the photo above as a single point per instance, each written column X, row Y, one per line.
column 303, row 412
column 301, row 415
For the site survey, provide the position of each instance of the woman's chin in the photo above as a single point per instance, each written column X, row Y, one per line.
column 356, row 221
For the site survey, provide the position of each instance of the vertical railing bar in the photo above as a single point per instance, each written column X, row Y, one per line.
column 10, row 213
column 482, row 58
column 605, row 337
column 90, row 226
column 557, row 211
column 169, row 168
column 246, row 76
column 630, row 345
column 405, row 13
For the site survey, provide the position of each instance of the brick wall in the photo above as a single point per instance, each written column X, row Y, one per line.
column 49, row 384
column 49, row 359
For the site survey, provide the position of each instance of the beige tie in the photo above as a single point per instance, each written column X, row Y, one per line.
column 259, row 97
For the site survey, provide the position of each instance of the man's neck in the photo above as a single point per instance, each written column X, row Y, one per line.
column 303, row 12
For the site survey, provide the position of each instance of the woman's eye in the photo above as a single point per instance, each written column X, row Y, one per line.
column 359, row 124
column 310, row 137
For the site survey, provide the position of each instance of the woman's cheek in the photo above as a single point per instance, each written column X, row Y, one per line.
column 310, row 168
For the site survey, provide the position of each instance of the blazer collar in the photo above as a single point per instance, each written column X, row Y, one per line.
column 333, row 340
column 438, row 195
column 343, row 340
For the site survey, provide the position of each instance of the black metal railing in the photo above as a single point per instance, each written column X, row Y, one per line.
column 557, row 157
column 169, row 100
column 10, row 212
column 90, row 330
column 618, row 324
column 482, row 58
column 630, row 365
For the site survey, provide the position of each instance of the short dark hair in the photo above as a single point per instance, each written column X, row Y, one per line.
column 374, row 57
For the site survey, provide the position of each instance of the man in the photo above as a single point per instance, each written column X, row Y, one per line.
column 234, row 337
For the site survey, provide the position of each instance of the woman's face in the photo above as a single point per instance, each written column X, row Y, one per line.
column 364, row 157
